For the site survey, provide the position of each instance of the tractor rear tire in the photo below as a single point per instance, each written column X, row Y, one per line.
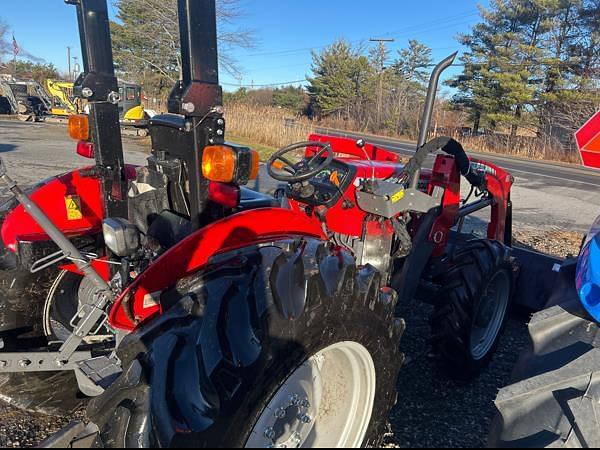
column 553, row 400
column 471, row 307
column 22, row 296
column 283, row 339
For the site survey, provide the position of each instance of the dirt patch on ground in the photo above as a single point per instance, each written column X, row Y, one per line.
column 562, row 244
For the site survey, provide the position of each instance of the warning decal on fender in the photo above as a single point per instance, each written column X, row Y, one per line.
column 73, row 204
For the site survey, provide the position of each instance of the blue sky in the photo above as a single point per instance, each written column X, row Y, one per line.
column 285, row 30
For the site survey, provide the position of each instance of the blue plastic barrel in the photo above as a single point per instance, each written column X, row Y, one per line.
column 588, row 273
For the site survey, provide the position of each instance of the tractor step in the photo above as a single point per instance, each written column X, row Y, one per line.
column 95, row 375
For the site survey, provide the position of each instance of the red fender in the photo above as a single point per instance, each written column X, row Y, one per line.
column 137, row 305
column 52, row 197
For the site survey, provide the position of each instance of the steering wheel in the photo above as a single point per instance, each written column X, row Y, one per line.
column 303, row 170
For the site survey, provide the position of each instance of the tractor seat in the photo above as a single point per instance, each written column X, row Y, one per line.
column 250, row 199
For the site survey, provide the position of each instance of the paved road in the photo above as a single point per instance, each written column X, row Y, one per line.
column 35, row 151
column 546, row 195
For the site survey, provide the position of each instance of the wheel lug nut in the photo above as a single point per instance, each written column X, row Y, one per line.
column 305, row 418
column 270, row 433
column 280, row 413
column 294, row 400
column 305, row 403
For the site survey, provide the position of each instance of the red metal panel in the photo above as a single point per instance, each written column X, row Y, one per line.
column 447, row 176
column 51, row 198
column 192, row 254
column 588, row 131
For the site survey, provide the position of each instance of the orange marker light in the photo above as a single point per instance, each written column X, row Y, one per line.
column 279, row 165
column 255, row 165
column 79, row 127
column 219, row 163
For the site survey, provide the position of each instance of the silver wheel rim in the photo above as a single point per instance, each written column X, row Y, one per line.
column 489, row 315
column 325, row 403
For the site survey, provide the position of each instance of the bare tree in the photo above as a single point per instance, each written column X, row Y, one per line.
column 4, row 40
column 146, row 37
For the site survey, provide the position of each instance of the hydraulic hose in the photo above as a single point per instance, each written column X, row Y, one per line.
column 451, row 147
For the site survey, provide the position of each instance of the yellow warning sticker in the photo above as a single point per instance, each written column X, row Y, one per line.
column 398, row 196
column 73, row 203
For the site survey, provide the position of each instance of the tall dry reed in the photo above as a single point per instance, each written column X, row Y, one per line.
column 269, row 126
column 275, row 127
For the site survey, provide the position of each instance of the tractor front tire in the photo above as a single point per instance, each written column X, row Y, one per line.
column 289, row 344
column 471, row 307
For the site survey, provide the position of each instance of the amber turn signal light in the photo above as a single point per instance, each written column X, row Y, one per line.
column 219, row 163
column 255, row 165
column 79, row 127
column 230, row 164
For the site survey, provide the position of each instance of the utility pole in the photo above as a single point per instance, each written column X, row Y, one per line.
column 382, row 55
column 75, row 67
column 69, row 59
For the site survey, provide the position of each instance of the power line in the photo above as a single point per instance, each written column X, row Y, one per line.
column 420, row 28
column 264, row 85
column 529, row 64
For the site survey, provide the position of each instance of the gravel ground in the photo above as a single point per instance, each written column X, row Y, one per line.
column 434, row 412
column 559, row 243
column 19, row 429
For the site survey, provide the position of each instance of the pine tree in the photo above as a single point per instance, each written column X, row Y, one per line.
column 290, row 97
column 527, row 59
column 341, row 82
column 410, row 74
column 413, row 62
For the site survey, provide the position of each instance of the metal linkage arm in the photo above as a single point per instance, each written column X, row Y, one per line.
column 89, row 318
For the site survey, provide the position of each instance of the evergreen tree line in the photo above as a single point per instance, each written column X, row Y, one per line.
column 531, row 68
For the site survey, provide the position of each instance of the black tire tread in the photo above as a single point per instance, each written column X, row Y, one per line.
column 557, row 385
column 462, row 283
column 221, row 356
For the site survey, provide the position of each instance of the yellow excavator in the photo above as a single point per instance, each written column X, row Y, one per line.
column 131, row 110
column 64, row 102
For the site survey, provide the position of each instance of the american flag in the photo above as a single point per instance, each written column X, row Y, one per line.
column 16, row 49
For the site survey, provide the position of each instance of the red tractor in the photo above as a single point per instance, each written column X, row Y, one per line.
column 196, row 312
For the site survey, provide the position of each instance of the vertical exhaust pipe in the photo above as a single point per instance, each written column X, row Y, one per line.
column 429, row 105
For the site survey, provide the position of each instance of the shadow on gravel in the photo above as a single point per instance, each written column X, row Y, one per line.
column 435, row 412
